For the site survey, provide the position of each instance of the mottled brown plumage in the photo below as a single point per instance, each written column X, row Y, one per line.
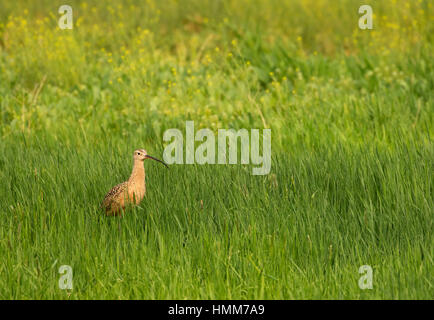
column 131, row 191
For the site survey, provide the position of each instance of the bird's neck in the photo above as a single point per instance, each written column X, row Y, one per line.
column 138, row 173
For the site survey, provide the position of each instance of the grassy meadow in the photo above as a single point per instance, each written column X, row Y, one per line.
column 352, row 176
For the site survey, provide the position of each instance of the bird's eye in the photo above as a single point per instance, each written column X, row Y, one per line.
column 138, row 153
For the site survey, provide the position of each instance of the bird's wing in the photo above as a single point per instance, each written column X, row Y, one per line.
column 113, row 193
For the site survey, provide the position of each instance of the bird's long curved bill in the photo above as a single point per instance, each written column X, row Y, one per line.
column 150, row 157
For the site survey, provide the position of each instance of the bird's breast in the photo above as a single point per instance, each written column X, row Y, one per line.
column 136, row 192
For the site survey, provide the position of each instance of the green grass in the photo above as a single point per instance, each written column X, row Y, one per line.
column 352, row 176
column 301, row 232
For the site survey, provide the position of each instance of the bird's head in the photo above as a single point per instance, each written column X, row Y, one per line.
column 141, row 155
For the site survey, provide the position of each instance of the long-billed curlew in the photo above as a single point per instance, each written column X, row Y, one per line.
column 131, row 191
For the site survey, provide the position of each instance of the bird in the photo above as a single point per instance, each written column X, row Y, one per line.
column 132, row 191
